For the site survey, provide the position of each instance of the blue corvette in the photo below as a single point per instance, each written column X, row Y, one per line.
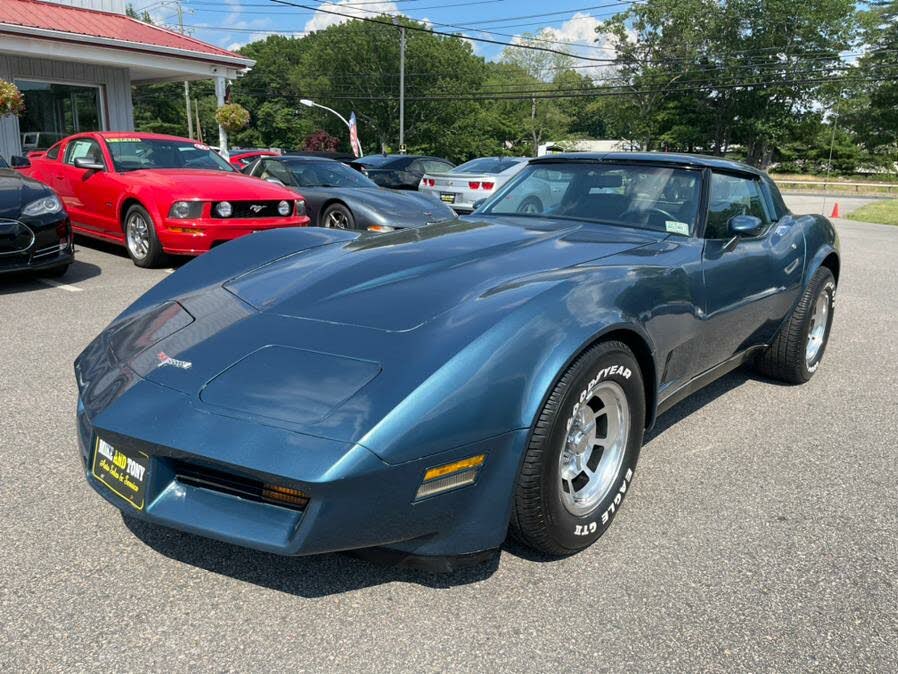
column 424, row 391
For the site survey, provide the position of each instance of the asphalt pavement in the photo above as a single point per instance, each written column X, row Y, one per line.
column 761, row 532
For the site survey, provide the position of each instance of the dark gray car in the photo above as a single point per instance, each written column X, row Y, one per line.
column 339, row 197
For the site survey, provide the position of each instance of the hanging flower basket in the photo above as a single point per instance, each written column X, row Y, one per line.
column 12, row 102
column 232, row 117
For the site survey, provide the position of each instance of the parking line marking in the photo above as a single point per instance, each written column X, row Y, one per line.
column 62, row 286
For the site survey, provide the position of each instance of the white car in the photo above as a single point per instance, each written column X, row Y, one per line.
column 471, row 182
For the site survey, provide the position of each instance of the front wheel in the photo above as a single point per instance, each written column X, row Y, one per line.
column 141, row 240
column 797, row 350
column 337, row 216
column 582, row 452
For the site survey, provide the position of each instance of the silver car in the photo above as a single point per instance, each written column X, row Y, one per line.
column 471, row 182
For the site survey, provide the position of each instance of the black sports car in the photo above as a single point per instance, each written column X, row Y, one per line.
column 338, row 197
column 400, row 171
column 35, row 232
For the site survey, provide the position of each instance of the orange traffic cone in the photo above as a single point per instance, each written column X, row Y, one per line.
column 835, row 213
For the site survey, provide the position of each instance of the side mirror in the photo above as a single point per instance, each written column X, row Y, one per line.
column 18, row 161
column 89, row 164
column 477, row 204
column 745, row 225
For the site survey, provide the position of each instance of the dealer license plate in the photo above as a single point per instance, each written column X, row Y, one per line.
column 447, row 197
column 124, row 471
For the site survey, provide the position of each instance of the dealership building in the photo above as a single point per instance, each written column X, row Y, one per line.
column 75, row 61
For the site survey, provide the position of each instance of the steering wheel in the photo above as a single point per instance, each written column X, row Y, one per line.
column 652, row 212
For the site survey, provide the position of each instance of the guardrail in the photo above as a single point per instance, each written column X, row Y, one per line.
column 838, row 184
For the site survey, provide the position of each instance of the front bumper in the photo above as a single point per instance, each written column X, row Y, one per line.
column 52, row 247
column 356, row 500
column 209, row 232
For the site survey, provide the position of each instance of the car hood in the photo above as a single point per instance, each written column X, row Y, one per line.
column 397, row 282
column 401, row 209
column 17, row 190
column 212, row 185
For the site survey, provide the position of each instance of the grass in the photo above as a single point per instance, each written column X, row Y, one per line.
column 883, row 212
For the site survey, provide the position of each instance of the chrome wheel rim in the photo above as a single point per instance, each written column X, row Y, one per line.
column 817, row 329
column 529, row 208
column 137, row 231
column 594, row 447
column 336, row 220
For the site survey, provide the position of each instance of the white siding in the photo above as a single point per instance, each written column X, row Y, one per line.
column 118, row 111
column 117, row 6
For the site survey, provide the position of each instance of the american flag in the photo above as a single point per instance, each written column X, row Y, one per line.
column 354, row 136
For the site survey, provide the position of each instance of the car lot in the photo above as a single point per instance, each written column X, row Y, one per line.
column 762, row 532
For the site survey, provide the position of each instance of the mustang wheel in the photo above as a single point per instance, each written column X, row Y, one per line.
column 582, row 452
column 140, row 238
column 337, row 216
column 796, row 352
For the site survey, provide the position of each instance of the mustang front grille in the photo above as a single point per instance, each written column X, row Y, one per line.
column 237, row 485
column 252, row 209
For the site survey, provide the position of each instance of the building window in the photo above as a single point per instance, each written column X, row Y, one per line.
column 54, row 111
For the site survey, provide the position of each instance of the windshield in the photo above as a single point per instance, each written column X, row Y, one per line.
column 327, row 174
column 134, row 154
column 384, row 161
column 643, row 196
column 488, row 165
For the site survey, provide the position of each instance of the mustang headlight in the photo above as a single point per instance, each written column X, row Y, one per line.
column 224, row 209
column 184, row 210
column 284, row 208
column 43, row 206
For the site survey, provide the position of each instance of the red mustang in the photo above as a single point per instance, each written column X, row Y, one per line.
column 160, row 194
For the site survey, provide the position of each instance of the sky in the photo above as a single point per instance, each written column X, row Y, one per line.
column 233, row 23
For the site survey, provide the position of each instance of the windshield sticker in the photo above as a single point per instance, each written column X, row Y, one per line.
column 200, row 146
column 123, row 140
column 676, row 227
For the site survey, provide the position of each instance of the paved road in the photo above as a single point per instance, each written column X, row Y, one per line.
column 761, row 532
column 809, row 203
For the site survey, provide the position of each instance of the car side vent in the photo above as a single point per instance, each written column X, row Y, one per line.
column 237, row 485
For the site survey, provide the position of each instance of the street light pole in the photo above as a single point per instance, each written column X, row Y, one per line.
column 312, row 104
column 402, row 89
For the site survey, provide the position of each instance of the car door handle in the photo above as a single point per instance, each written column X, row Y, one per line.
column 791, row 266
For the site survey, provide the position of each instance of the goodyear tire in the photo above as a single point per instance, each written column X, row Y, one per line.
column 798, row 348
column 141, row 241
column 582, row 452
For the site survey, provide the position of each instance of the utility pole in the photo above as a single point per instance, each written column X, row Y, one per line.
column 186, row 83
column 401, row 84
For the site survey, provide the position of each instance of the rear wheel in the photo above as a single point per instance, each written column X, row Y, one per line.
column 140, row 238
column 337, row 216
column 582, row 452
column 795, row 354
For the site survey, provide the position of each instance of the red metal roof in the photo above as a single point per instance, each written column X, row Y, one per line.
column 87, row 22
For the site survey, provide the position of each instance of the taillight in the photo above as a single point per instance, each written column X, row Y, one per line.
column 488, row 186
column 433, row 182
column 474, row 185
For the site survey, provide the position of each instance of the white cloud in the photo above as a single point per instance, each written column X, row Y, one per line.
column 321, row 20
column 578, row 36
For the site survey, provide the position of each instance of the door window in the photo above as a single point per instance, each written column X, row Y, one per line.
column 83, row 147
column 733, row 195
column 274, row 169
